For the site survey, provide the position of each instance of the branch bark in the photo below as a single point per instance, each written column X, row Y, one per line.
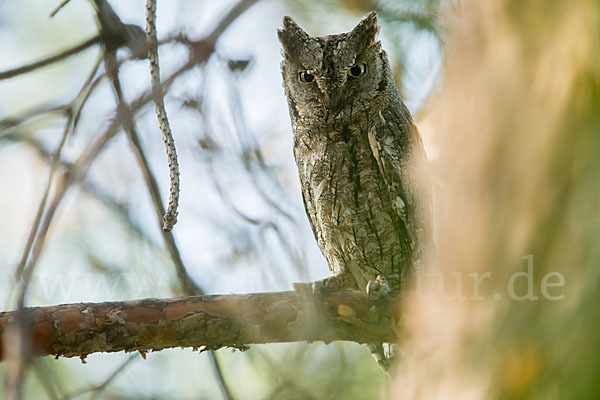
column 211, row 322
column 170, row 216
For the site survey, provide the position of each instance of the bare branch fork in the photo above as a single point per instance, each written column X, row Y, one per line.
column 114, row 34
column 49, row 60
column 208, row 322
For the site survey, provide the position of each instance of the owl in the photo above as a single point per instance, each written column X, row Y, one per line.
column 358, row 154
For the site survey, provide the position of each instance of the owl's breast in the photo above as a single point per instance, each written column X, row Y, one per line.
column 349, row 206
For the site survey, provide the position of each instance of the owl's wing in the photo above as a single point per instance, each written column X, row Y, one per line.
column 398, row 150
column 310, row 213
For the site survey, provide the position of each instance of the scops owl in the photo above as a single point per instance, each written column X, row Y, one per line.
column 356, row 148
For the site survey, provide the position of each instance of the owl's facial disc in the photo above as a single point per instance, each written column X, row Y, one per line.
column 332, row 87
column 325, row 74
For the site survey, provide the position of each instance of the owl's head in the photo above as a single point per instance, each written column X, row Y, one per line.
column 324, row 75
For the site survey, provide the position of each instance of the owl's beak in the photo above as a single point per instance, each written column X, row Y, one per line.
column 332, row 101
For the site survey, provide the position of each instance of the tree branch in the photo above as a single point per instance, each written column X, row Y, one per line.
column 49, row 60
column 170, row 217
column 212, row 322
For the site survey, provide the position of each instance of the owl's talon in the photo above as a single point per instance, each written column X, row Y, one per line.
column 378, row 289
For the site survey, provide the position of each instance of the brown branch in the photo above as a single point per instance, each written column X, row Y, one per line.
column 98, row 389
column 47, row 61
column 170, row 217
column 115, row 34
column 212, row 322
column 218, row 371
column 54, row 165
column 58, row 8
column 238, row 9
column 92, row 190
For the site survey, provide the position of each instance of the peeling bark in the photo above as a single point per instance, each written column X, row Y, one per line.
column 211, row 322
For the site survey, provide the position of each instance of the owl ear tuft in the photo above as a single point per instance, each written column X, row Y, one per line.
column 291, row 36
column 367, row 29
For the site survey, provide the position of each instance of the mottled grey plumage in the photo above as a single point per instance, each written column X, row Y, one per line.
column 355, row 146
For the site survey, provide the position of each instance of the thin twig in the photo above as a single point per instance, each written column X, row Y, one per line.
column 237, row 114
column 75, row 106
column 227, row 198
column 225, row 390
column 52, row 59
column 54, row 163
column 231, row 16
column 42, row 206
column 170, row 217
column 46, row 381
column 88, row 187
column 97, row 389
column 38, row 111
column 59, row 7
column 89, row 86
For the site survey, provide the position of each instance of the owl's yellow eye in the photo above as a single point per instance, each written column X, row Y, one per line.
column 357, row 70
column 305, row 77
